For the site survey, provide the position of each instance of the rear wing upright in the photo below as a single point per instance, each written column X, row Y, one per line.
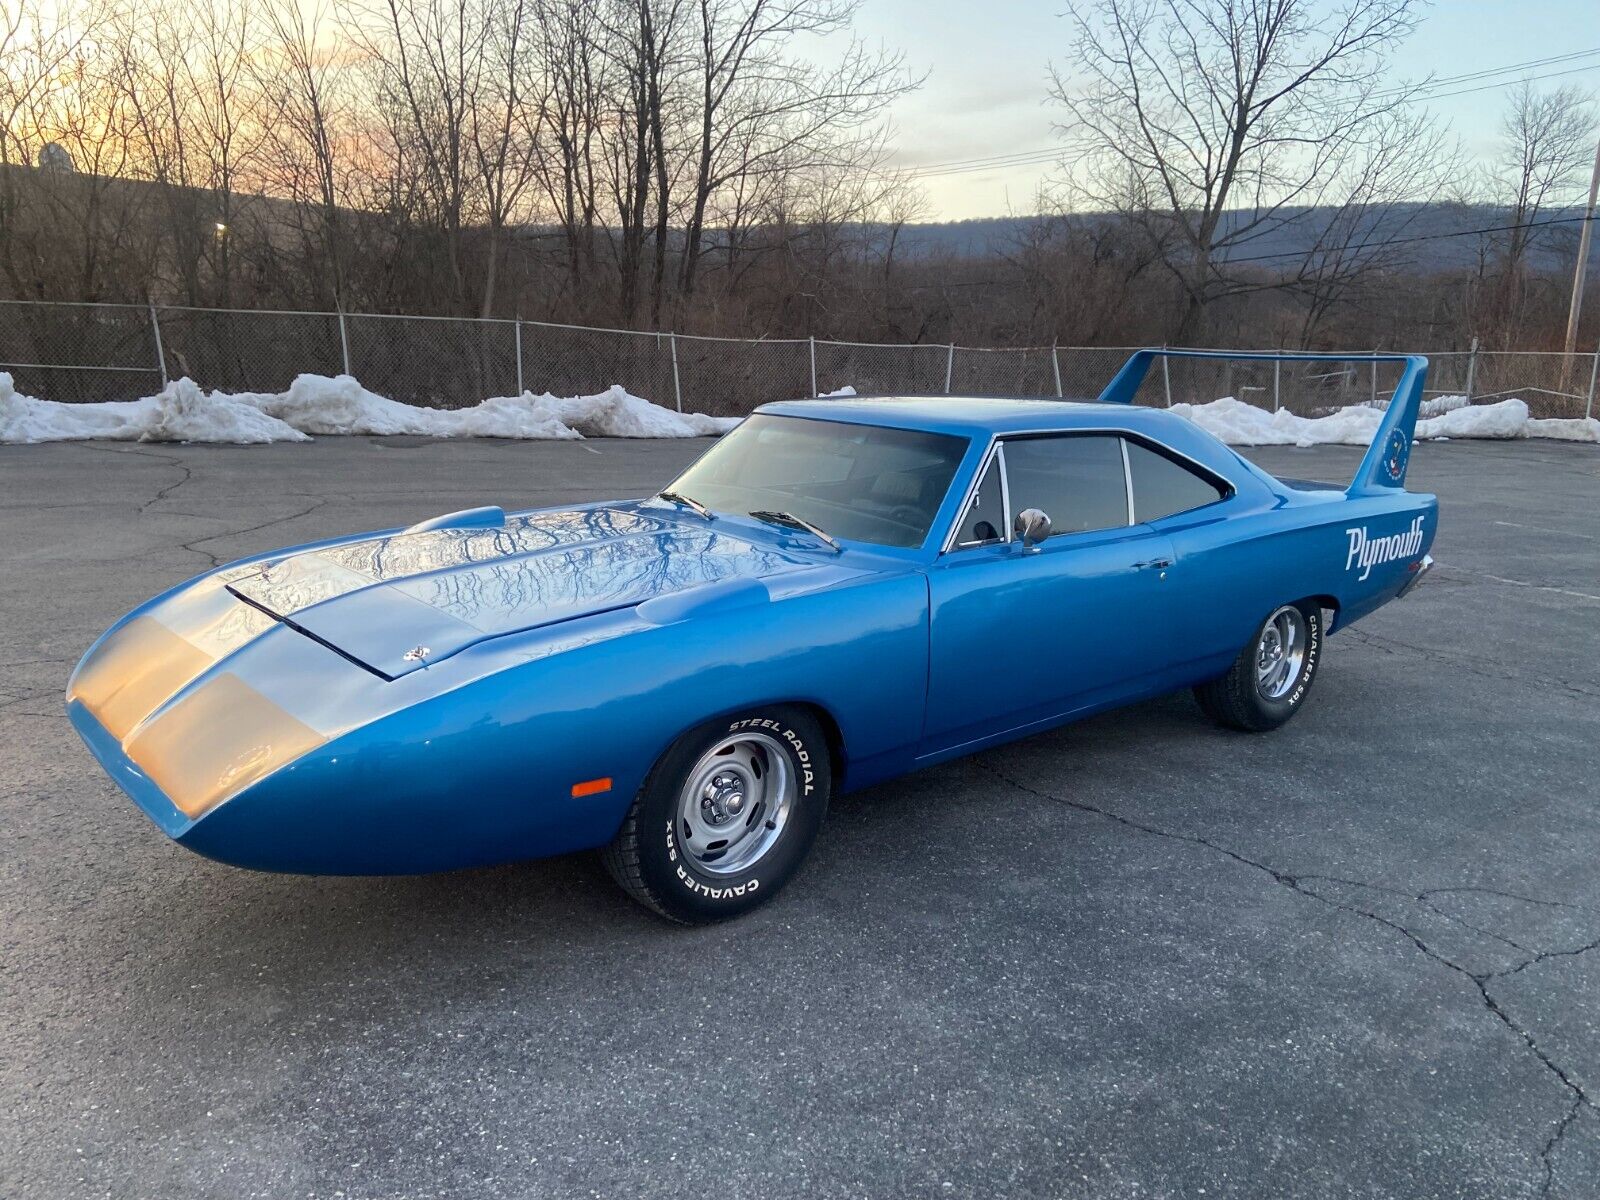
column 1382, row 468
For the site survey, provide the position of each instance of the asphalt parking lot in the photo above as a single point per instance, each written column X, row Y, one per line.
column 1139, row 956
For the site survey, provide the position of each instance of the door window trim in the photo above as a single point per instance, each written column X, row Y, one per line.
column 996, row 452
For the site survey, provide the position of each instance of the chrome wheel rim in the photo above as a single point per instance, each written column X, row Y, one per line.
column 734, row 804
column 1281, row 653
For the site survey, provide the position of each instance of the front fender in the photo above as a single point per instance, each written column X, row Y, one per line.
column 484, row 772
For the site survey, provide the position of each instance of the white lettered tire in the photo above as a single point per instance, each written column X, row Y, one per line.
column 1272, row 676
column 726, row 816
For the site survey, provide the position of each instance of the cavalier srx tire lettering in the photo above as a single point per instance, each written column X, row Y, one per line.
column 737, row 803
column 1272, row 675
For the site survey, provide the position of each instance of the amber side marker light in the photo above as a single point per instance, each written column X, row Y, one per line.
column 591, row 787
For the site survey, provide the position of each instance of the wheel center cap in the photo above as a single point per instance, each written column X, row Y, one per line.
column 722, row 799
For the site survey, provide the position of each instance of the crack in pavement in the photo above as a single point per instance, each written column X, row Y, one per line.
column 194, row 546
column 1471, row 664
column 168, row 459
column 1294, row 883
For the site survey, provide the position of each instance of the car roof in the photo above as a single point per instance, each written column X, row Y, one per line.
column 966, row 415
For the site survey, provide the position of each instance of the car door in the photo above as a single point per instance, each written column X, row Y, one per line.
column 1020, row 635
column 1214, row 612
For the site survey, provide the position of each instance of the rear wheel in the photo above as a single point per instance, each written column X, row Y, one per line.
column 726, row 816
column 1272, row 675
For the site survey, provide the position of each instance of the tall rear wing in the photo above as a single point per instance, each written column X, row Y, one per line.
column 1382, row 468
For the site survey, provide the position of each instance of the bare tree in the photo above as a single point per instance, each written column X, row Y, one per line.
column 578, row 85
column 303, row 108
column 759, row 112
column 1546, row 140
column 1369, row 212
column 36, row 44
column 1207, row 122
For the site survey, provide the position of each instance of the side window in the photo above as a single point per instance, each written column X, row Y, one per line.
column 1162, row 487
column 985, row 518
column 1078, row 481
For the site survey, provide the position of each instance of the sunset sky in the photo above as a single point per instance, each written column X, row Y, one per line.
column 987, row 67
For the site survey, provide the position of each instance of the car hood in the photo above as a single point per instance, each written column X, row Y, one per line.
column 399, row 602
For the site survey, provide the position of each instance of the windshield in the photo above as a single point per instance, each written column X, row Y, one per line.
column 862, row 482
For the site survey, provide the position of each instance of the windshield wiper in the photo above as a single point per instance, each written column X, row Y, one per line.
column 794, row 522
column 686, row 501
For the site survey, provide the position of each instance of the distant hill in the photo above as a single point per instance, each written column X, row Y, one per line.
column 1447, row 244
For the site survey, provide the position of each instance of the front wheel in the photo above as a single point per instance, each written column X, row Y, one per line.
column 1272, row 675
column 726, row 816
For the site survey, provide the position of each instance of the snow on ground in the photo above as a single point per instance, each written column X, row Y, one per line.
column 180, row 412
column 317, row 404
column 1241, row 424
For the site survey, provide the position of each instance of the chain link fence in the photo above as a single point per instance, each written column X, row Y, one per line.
column 87, row 352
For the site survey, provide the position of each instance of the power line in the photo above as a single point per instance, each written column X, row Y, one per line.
column 1428, row 91
column 1509, row 82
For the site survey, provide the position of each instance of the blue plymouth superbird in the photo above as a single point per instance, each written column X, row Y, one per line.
column 838, row 592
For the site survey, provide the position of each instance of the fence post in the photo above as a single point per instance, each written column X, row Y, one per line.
column 517, row 328
column 677, row 388
column 1166, row 377
column 344, row 342
column 161, row 354
column 1277, row 383
column 1373, row 395
column 1055, row 365
column 813, row 344
column 1472, row 368
column 1594, row 374
column 949, row 367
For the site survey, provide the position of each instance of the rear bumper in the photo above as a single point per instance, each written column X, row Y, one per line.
column 1418, row 570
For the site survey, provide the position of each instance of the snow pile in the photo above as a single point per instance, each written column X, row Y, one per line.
column 180, row 412
column 1437, row 406
column 616, row 413
column 183, row 413
column 317, row 404
column 1241, row 424
column 846, row 390
column 1506, row 419
column 340, row 405
column 1564, row 429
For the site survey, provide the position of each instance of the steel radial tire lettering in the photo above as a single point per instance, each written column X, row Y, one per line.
column 726, row 816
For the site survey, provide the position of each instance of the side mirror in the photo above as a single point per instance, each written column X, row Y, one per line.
column 1033, row 524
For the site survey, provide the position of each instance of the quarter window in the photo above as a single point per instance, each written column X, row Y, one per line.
column 985, row 518
column 1077, row 480
column 1162, row 487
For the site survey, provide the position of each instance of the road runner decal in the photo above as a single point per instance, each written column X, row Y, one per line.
column 1367, row 553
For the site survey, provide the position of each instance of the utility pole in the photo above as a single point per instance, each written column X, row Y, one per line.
column 1576, row 306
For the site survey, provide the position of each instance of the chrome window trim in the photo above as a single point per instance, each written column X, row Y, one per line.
column 993, row 455
column 997, row 443
column 1005, row 492
column 1195, row 467
column 1127, row 477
